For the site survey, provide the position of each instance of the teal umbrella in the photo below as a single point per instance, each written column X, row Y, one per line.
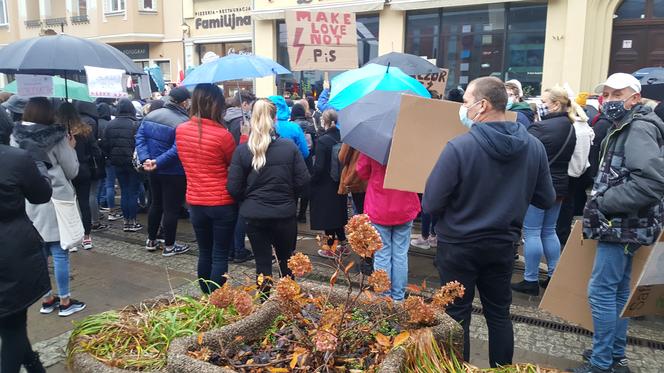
column 74, row 90
column 355, row 84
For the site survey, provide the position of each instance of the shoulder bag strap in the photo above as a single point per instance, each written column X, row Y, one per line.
column 562, row 149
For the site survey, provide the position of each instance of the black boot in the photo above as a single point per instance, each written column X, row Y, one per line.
column 527, row 287
column 33, row 364
column 545, row 283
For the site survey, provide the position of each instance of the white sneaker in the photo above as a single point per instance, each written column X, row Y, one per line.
column 73, row 249
column 433, row 242
column 420, row 243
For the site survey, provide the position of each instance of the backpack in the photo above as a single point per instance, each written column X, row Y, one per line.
column 335, row 164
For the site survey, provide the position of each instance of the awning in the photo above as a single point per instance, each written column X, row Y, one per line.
column 429, row 4
column 355, row 7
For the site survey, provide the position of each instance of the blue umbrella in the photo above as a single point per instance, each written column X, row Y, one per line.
column 354, row 84
column 233, row 67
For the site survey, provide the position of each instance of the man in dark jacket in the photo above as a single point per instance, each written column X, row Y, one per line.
column 155, row 146
column 477, row 230
column 625, row 211
column 239, row 110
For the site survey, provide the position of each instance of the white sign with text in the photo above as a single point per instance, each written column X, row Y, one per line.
column 34, row 85
column 105, row 82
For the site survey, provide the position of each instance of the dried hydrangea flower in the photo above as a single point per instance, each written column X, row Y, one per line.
column 300, row 264
column 324, row 340
column 380, row 281
column 446, row 295
column 418, row 311
column 288, row 294
column 362, row 236
column 223, row 297
column 243, row 302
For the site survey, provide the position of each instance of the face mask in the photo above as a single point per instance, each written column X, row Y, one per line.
column 463, row 115
column 542, row 109
column 510, row 103
column 615, row 110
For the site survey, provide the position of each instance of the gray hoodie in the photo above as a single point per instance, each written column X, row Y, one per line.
column 64, row 167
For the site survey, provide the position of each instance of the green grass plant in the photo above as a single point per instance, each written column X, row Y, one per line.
column 138, row 338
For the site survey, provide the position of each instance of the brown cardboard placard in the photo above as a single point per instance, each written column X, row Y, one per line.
column 566, row 295
column 647, row 297
column 423, row 128
column 320, row 40
column 435, row 83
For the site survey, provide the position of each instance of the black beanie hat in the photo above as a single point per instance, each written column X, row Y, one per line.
column 179, row 94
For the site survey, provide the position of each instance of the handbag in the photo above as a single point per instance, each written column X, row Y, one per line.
column 70, row 225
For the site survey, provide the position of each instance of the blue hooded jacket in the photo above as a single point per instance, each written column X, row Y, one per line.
column 287, row 129
column 484, row 181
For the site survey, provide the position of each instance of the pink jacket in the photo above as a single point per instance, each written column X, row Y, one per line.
column 385, row 206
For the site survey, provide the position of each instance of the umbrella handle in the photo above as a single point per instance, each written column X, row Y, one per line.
column 388, row 67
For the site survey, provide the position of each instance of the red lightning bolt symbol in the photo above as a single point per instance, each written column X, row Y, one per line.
column 296, row 43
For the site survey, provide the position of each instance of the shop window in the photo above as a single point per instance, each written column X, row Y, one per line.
column 631, row 9
column 114, row 6
column 423, row 34
column 305, row 83
column 3, row 13
column 658, row 8
column 147, row 5
column 142, row 64
column 165, row 66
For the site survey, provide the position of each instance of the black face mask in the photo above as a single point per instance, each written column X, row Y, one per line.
column 615, row 110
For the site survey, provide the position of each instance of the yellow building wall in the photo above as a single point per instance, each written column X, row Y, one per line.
column 391, row 31
column 265, row 44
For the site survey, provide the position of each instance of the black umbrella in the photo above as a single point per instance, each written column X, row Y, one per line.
column 652, row 82
column 368, row 124
column 408, row 63
column 61, row 55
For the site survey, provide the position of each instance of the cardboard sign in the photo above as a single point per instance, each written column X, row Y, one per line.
column 423, row 128
column 105, row 82
column 34, row 85
column 567, row 293
column 320, row 40
column 435, row 83
column 647, row 297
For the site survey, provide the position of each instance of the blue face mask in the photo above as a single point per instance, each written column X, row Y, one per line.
column 463, row 115
column 510, row 103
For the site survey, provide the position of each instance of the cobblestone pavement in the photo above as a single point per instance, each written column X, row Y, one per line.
column 533, row 343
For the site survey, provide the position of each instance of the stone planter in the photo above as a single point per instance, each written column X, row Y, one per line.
column 254, row 327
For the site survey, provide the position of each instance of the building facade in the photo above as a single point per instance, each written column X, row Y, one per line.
column 148, row 31
column 539, row 42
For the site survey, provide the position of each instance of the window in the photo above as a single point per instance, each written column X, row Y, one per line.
column 80, row 7
column 631, row 9
column 149, row 5
column 3, row 13
column 423, row 34
column 114, row 6
column 311, row 82
column 658, row 8
column 165, row 66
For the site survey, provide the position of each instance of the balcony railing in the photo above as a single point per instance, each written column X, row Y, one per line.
column 33, row 23
column 80, row 19
column 55, row 21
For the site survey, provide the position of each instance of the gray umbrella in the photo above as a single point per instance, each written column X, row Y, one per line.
column 368, row 124
column 408, row 63
column 652, row 82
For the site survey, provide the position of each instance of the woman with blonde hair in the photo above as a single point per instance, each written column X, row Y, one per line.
column 556, row 131
column 265, row 176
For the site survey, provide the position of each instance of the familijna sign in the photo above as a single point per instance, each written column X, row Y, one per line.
column 320, row 40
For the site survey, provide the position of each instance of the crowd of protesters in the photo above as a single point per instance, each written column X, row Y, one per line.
column 254, row 167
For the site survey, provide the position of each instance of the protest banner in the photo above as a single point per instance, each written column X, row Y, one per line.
column 566, row 295
column 319, row 40
column 435, row 83
column 423, row 128
column 107, row 83
column 34, row 85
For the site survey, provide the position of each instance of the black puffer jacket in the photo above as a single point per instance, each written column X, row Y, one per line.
column 119, row 139
column 553, row 131
column 271, row 192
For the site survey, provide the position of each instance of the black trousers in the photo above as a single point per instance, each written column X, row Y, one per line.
column 487, row 265
column 16, row 348
column 572, row 206
column 335, row 234
column 82, row 187
column 267, row 233
column 168, row 193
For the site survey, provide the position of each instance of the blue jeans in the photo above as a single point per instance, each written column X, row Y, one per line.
column 214, row 227
column 60, row 266
column 238, row 238
column 128, row 179
column 608, row 291
column 109, row 184
column 393, row 257
column 539, row 232
column 428, row 224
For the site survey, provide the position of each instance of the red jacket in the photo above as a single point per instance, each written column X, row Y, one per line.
column 205, row 161
column 385, row 206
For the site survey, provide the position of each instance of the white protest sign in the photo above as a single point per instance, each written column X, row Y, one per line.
column 34, row 85
column 105, row 82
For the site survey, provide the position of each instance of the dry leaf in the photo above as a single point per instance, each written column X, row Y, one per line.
column 277, row 370
column 401, row 338
column 413, row 288
column 348, row 267
column 383, row 340
column 200, row 338
column 333, row 279
column 260, row 279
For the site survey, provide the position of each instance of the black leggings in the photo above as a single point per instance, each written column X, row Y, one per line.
column 82, row 186
column 167, row 197
column 16, row 348
column 335, row 234
column 267, row 233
